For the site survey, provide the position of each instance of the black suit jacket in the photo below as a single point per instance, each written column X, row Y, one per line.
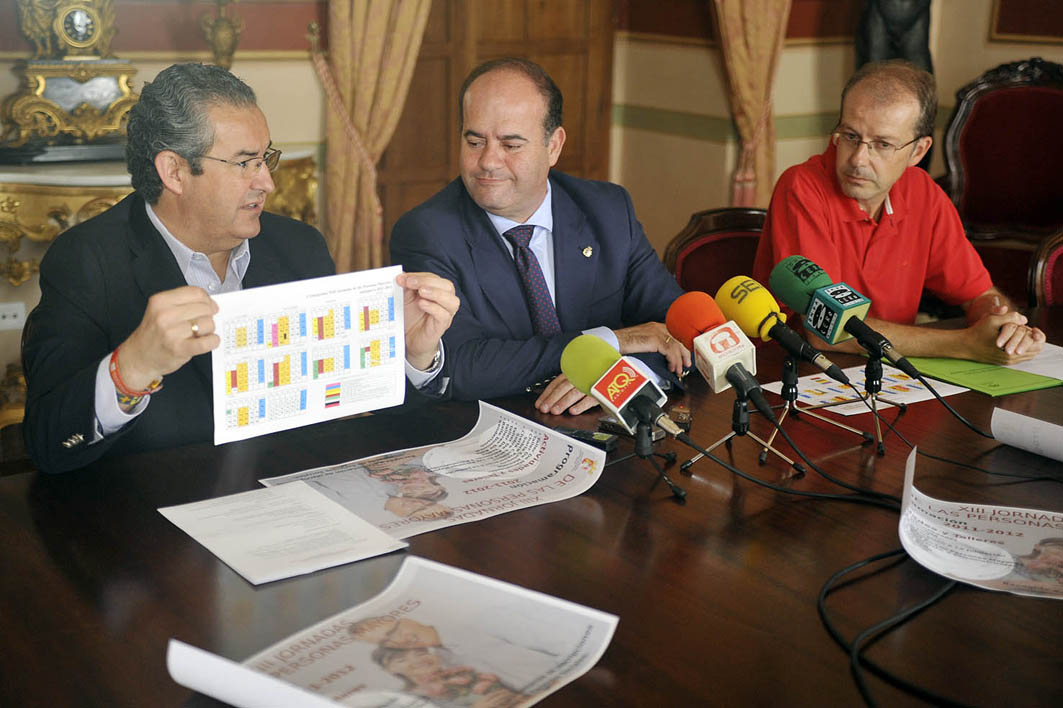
column 96, row 279
column 605, row 274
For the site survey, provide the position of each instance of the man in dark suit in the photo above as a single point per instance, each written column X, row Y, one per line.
column 126, row 296
column 538, row 257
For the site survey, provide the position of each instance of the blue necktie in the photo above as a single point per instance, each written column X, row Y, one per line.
column 537, row 295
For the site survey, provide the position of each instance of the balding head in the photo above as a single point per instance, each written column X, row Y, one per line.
column 894, row 81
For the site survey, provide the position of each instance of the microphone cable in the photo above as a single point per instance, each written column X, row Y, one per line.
column 830, row 478
column 939, row 458
column 950, row 409
column 854, row 649
column 873, row 499
column 857, row 661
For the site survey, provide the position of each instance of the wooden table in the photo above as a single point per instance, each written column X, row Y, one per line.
column 716, row 598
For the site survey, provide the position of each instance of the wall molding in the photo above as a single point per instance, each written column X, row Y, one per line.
column 721, row 129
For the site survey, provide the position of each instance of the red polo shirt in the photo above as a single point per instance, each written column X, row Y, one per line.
column 918, row 243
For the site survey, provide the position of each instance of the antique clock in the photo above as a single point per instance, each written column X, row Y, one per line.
column 74, row 95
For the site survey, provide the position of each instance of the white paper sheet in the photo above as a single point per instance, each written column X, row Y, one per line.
column 1048, row 363
column 232, row 683
column 1037, row 436
column 504, row 463
column 466, row 640
column 307, row 351
column 994, row 547
column 818, row 389
column 277, row 532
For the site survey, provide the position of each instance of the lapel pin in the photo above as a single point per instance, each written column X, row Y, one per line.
column 588, row 251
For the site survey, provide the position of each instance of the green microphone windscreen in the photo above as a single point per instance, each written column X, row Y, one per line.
column 585, row 359
column 794, row 279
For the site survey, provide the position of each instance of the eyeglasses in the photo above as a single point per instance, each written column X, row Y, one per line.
column 875, row 148
column 251, row 166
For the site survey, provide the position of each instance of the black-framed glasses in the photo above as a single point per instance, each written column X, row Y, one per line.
column 251, row 166
column 876, row 148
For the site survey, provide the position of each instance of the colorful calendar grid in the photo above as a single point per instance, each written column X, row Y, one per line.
column 377, row 352
column 376, row 314
column 249, row 410
column 329, row 360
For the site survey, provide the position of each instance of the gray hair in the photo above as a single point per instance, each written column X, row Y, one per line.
column 172, row 114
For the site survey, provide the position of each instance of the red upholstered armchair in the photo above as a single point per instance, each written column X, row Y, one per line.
column 1046, row 273
column 715, row 245
column 1003, row 148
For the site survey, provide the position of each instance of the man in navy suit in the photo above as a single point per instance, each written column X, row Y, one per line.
column 126, row 296
column 587, row 268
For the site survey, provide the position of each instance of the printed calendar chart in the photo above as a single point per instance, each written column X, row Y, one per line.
column 304, row 352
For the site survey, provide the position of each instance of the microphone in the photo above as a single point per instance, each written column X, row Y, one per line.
column 834, row 311
column 698, row 323
column 723, row 354
column 752, row 307
column 596, row 369
column 807, row 289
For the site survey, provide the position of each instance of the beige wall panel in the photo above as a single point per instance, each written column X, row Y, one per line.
column 670, row 178
column 290, row 95
column 810, row 78
column 670, row 77
column 962, row 50
column 794, row 152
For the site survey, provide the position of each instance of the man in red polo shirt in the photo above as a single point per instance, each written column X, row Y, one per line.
column 868, row 216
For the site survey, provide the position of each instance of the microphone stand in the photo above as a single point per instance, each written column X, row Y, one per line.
column 644, row 450
column 740, row 427
column 873, row 387
column 789, row 396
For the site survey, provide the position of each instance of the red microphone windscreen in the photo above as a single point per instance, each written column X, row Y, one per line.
column 691, row 314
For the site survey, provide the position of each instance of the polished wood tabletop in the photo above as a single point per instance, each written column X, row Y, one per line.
column 716, row 597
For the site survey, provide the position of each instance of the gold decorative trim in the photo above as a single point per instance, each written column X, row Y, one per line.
column 171, row 57
column 296, row 192
column 654, row 38
column 29, row 115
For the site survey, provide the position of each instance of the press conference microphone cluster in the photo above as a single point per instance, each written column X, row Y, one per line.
column 833, row 311
column 752, row 307
column 723, row 354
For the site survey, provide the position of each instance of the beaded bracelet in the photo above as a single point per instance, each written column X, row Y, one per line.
column 127, row 397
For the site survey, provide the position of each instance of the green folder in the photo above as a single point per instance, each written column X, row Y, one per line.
column 986, row 378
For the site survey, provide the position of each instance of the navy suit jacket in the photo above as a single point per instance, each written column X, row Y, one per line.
column 95, row 283
column 605, row 274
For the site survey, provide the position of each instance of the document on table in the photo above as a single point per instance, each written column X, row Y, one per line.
column 1043, row 371
column 1005, row 548
column 504, row 463
column 307, row 351
column 1037, row 436
column 277, row 532
column 1048, row 363
column 466, row 640
column 820, row 389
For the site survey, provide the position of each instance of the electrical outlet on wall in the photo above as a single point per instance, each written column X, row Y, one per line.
column 12, row 315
